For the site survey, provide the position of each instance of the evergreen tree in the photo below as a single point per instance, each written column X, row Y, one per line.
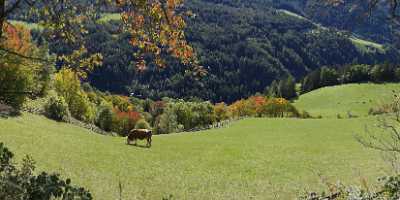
column 311, row 81
column 273, row 90
column 328, row 77
column 287, row 88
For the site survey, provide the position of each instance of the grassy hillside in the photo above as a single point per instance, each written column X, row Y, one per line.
column 356, row 98
column 367, row 46
column 253, row 158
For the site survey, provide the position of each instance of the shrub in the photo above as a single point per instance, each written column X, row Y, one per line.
column 36, row 106
column 148, row 117
column 142, row 124
column 6, row 110
column 81, row 108
column 67, row 85
column 389, row 190
column 121, row 102
column 157, row 108
column 56, row 108
column 305, row 115
column 168, row 122
column 15, row 84
column 124, row 122
column 382, row 73
column 356, row 74
column 239, row 109
column 19, row 77
column 221, row 112
column 278, row 107
column 104, row 117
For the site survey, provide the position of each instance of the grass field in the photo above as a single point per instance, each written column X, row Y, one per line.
column 251, row 159
column 367, row 46
column 356, row 98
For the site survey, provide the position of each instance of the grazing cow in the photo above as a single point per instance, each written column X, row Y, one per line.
column 140, row 134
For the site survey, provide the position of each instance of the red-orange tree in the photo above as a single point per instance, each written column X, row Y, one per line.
column 156, row 27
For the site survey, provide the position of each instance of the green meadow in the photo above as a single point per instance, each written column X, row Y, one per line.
column 354, row 98
column 251, row 159
column 255, row 158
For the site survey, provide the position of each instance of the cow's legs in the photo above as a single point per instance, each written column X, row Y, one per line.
column 135, row 142
column 128, row 141
column 149, row 142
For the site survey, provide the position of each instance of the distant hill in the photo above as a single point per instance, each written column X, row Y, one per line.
column 244, row 45
column 339, row 100
column 351, row 16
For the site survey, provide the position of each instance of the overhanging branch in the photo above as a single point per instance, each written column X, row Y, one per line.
column 24, row 56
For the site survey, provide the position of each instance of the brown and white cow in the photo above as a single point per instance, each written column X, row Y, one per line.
column 141, row 134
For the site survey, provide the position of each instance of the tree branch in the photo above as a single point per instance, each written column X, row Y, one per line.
column 24, row 56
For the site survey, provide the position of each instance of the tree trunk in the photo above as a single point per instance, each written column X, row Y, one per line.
column 2, row 16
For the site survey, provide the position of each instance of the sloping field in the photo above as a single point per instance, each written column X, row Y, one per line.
column 251, row 159
column 354, row 98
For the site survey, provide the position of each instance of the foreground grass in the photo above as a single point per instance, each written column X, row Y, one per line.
column 356, row 98
column 252, row 159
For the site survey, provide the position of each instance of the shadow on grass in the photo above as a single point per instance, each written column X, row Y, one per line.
column 139, row 146
column 7, row 111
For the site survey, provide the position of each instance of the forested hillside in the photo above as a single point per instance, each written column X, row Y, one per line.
column 352, row 16
column 244, row 45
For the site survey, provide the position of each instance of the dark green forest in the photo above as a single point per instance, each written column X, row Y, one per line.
column 244, row 45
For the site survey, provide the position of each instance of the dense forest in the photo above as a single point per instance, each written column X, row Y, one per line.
column 351, row 16
column 244, row 45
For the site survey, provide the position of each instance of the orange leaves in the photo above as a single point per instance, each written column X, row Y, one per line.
column 260, row 106
column 18, row 39
column 157, row 27
column 129, row 115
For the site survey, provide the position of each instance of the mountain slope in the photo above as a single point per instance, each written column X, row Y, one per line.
column 245, row 45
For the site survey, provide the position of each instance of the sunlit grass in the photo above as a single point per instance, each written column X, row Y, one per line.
column 367, row 46
column 251, row 159
column 354, row 98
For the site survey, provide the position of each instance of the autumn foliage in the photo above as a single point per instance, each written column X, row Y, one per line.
column 260, row 106
column 19, row 77
column 18, row 39
column 157, row 27
column 123, row 122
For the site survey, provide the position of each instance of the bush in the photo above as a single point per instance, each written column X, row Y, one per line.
column 278, row 107
column 20, row 77
column 142, row 124
column 389, row 190
column 121, row 102
column 124, row 122
column 168, row 122
column 305, row 115
column 67, row 85
column 221, row 112
column 383, row 73
column 15, row 84
column 104, row 117
column 56, row 108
